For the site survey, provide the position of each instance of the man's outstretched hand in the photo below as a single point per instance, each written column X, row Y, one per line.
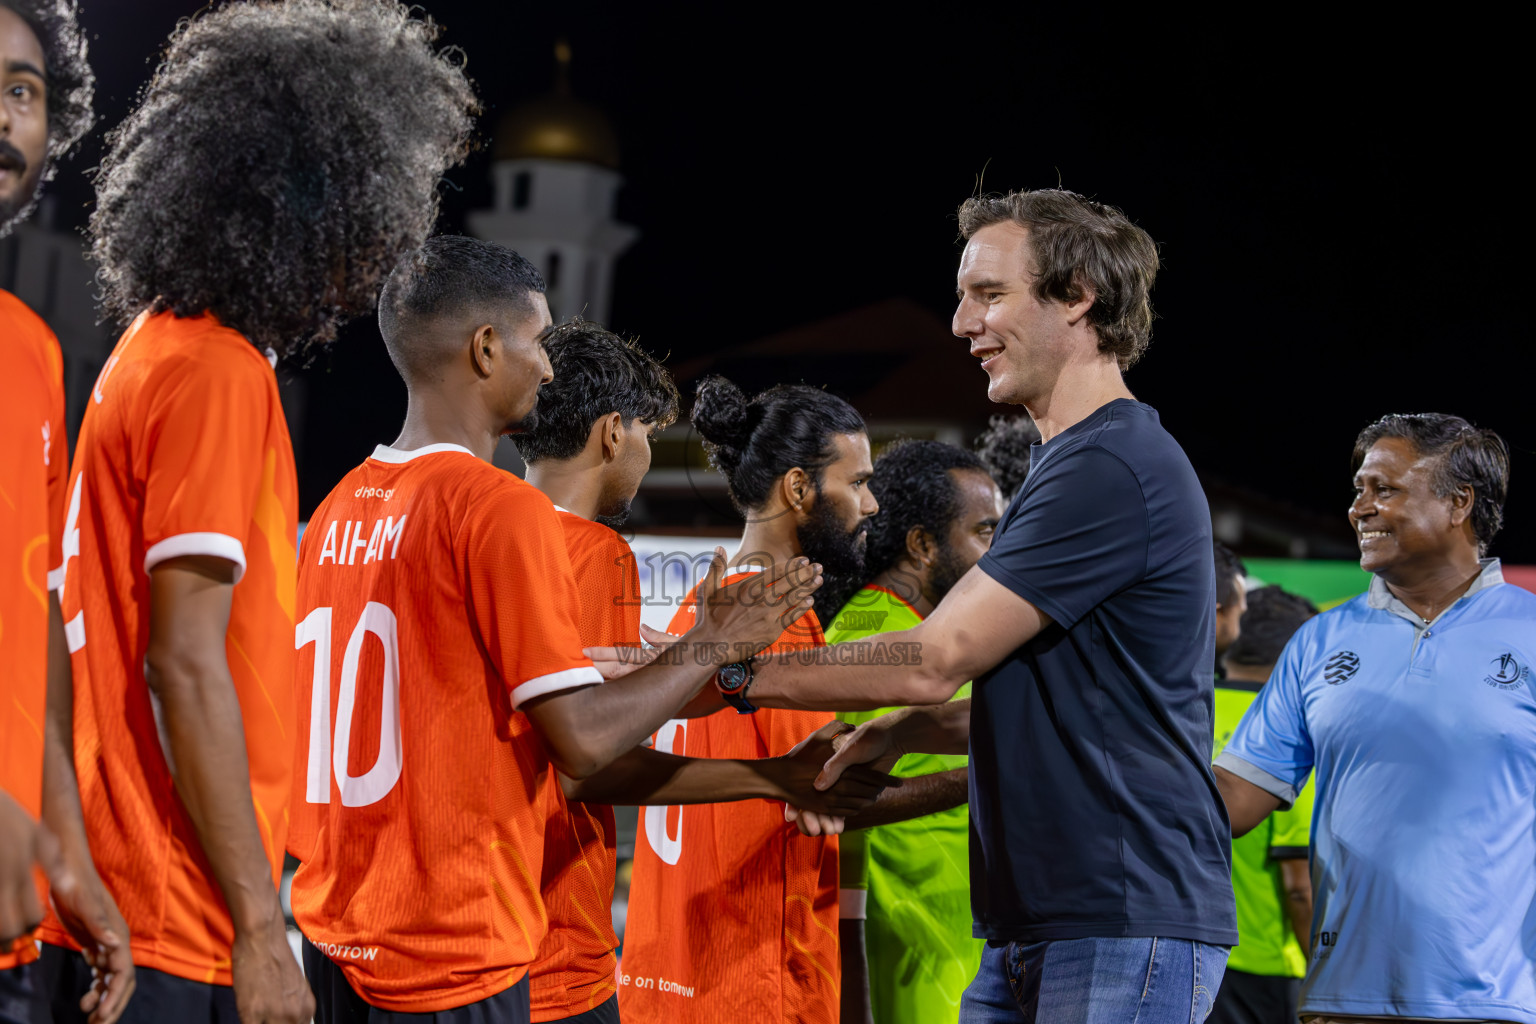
column 872, row 751
column 873, row 743
column 746, row 616
column 795, row 774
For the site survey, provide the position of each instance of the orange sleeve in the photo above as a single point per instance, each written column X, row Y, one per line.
column 606, row 577
column 522, row 593
column 203, row 457
column 57, row 464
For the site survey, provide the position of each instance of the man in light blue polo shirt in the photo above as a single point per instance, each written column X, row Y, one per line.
column 1414, row 704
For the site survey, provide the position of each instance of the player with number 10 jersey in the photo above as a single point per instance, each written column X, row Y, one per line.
column 418, row 576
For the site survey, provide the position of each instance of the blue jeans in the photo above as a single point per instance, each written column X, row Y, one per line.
column 1095, row 981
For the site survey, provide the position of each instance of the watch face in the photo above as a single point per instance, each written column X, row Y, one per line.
column 732, row 677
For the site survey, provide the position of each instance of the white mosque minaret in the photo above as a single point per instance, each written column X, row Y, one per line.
column 556, row 177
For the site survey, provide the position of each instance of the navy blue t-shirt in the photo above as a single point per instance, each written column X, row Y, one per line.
column 1094, row 811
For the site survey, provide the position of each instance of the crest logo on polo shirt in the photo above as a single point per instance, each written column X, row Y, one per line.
column 1507, row 673
column 1341, row 667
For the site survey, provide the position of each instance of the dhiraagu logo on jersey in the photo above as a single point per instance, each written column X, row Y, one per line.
column 1507, row 672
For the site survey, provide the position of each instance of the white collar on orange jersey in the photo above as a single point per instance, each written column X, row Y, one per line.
column 384, row 453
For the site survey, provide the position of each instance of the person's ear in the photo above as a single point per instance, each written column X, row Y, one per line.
column 484, row 350
column 921, row 547
column 611, row 431
column 1461, row 504
column 1078, row 307
column 796, row 488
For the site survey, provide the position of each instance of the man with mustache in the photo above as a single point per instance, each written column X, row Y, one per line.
column 1413, row 703
column 45, row 108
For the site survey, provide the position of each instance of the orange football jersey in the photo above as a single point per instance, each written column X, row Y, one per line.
column 184, row 451
column 575, row 967
column 34, row 466
column 732, row 912
column 435, row 596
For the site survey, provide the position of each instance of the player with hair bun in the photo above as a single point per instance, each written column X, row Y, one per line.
column 733, row 914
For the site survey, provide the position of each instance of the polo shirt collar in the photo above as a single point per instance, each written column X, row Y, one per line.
column 1380, row 598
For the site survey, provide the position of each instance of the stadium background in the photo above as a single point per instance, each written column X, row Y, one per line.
column 1330, row 194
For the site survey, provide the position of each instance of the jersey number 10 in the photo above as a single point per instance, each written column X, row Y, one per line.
column 326, row 757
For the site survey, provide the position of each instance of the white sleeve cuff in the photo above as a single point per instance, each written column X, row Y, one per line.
column 56, row 578
column 214, row 545
column 554, row 682
column 851, row 904
column 1250, row 772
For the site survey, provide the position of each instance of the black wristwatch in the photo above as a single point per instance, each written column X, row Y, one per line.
column 733, row 681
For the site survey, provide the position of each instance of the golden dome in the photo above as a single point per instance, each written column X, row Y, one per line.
column 557, row 127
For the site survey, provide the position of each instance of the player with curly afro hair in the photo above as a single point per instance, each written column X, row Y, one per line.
column 279, row 163
column 66, row 84
column 281, row 160
column 1004, row 447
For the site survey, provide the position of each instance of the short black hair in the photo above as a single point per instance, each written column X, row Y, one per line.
column 1465, row 456
column 1229, row 573
column 596, row 373
column 1004, row 447
column 279, row 162
column 453, row 275
column 913, row 485
column 70, row 81
column 753, row 443
column 1273, row 615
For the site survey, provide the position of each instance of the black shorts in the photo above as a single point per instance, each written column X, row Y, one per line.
column 606, row 1012
column 1255, row 999
column 63, row 978
column 337, row 1002
column 19, row 1003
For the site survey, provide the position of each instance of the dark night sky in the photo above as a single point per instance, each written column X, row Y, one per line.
column 1336, row 198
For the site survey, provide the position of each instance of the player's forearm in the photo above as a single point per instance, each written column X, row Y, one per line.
column 1247, row 804
column 645, row 776
column 932, row 728
column 916, row 797
column 61, row 787
column 206, row 741
column 1296, row 879
column 586, row 730
column 912, row 666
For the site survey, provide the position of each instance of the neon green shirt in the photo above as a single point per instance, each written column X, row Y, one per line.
column 1266, row 944
column 918, row 929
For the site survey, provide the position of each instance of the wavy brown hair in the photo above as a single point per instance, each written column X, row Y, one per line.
column 1079, row 245
column 282, row 158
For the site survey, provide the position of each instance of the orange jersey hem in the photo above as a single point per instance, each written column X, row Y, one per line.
column 448, row 999
column 149, row 954
column 24, row 952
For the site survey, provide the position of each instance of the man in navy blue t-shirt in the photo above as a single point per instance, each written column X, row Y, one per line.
column 1100, row 851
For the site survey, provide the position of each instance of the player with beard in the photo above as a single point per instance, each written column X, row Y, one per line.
column 419, row 891
column 732, row 912
column 908, row 883
column 588, row 453
column 278, row 163
column 45, row 108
